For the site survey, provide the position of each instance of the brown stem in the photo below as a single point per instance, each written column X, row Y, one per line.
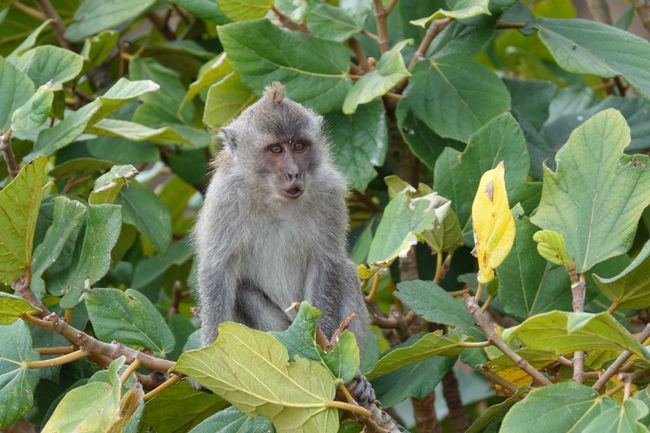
column 628, row 378
column 457, row 415
column 65, row 359
column 161, row 25
column 424, row 411
column 371, row 35
column 643, row 10
column 489, row 329
column 60, row 350
column 391, row 6
column 57, row 23
column 373, row 288
column 166, row 384
column 382, row 26
column 502, row 26
column 34, row 13
column 23, row 289
column 435, row 27
column 286, row 21
column 494, row 378
column 360, row 55
column 8, row 153
column 618, row 363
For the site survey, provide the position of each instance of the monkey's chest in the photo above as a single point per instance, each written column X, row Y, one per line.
column 276, row 260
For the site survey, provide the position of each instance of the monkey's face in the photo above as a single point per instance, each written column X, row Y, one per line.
column 289, row 162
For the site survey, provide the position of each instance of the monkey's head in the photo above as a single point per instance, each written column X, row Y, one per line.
column 280, row 140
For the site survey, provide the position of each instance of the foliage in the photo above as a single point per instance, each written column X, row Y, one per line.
column 497, row 158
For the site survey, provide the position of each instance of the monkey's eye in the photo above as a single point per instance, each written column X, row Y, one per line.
column 299, row 147
column 275, row 149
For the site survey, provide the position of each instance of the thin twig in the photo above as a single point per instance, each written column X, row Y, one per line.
column 166, row 384
column 479, row 292
column 65, row 359
column 474, row 344
column 391, row 6
column 492, row 377
column 57, row 23
column 370, row 34
column 130, row 370
column 382, row 26
column 435, row 27
column 286, row 21
column 59, row 350
column 5, row 146
column 489, row 329
column 34, row 13
column 618, row 363
column 360, row 55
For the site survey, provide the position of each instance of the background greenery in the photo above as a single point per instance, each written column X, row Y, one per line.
column 530, row 125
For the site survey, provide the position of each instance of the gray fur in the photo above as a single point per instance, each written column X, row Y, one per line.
column 259, row 252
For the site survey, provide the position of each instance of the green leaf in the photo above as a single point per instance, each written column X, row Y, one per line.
column 239, row 10
column 432, row 344
column 35, row 112
column 148, row 269
column 142, row 208
column 315, row 72
column 94, row 16
column 528, row 284
column 342, row 361
column 19, row 204
column 446, row 234
column 552, row 247
column 496, row 411
column 331, row 23
column 97, row 49
column 131, row 319
column 455, row 96
column 563, row 332
column 434, row 304
column 92, row 259
column 592, row 175
column 28, row 43
column 389, row 71
column 109, row 185
column 205, row 9
column 462, row 9
column 180, row 408
column 624, row 419
column 15, row 89
column 79, row 166
column 136, row 132
column 457, row 175
column 403, row 221
column 17, row 383
column 66, row 224
column 50, row 65
column 122, row 92
column 572, row 407
column 295, row 396
column 589, row 47
column 209, row 74
column 12, row 308
column 233, row 421
column 630, row 288
column 226, row 99
column 358, row 150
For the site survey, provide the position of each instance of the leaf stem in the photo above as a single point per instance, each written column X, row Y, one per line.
column 492, row 377
column 373, row 288
column 578, row 291
column 166, row 384
column 65, row 359
column 358, row 410
column 437, row 278
column 8, row 153
column 353, row 43
column 434, row 28
column 618, row 363
column 130, row 370
column 613, row 307
column 475, row 343
column 34, row 13
column 479, row 292
column 60, row 350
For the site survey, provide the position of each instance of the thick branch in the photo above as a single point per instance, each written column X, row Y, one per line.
column 488, row 327
column 8, row 153
column 424, row 412
column 643, row 9
column 618, row 363
column 578, row 291
column 381, row 16
column 57, row 23
column 457, row 414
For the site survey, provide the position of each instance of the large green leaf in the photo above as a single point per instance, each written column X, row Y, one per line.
column 590, row 47
column 563, row 332
column 358, row 150
column 331, row 23
column 389, row 71
column 624, row 419
column 461, row 9
column 314, row 71
column 596, row 196
column 150, row 268
column 239, row 10
column 51, row 65
column 19, row 204
column 206, row 9
column 131, row 319
column 226, row 99
column 432, row 344
column 434, row 304
column 15, row 89
column 12, row 308
column 528, row 284
column 209, row 74
column 233, row 421
column 136, row 132
column 17, row 382
column 251, row 369
column 142, row 208
column 562, row 407
column 180, row 408
column 108, row 185
column 35, row 112
column 28, row 42
column 93, row 16
column 457, row 175
column 455, row 96
column 93, row 258
column 630, row 288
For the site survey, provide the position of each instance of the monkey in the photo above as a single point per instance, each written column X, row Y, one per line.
column 272, row 229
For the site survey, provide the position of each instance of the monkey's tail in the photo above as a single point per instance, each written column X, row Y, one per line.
column 362, row 391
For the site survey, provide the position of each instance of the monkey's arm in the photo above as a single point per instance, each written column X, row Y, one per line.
column 217, row 293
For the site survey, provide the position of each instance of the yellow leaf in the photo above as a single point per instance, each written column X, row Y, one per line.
column 494, row 226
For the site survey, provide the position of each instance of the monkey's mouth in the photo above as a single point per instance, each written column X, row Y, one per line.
column 293, row 192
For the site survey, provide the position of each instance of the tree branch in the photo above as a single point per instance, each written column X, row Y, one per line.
column 457, row 414
column 34, row 13
column 578, row 292
column 8, row 153
column 382, row 26
column 618, row 363
column 434, row 28
column 490, row 331
column 494, row 378
column 57, row 23
column 288, row 22
column 360, row 55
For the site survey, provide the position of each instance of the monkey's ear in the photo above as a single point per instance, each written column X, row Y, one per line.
column 229, row 138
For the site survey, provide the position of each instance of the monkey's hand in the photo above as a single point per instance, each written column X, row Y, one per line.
column 198, row 387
